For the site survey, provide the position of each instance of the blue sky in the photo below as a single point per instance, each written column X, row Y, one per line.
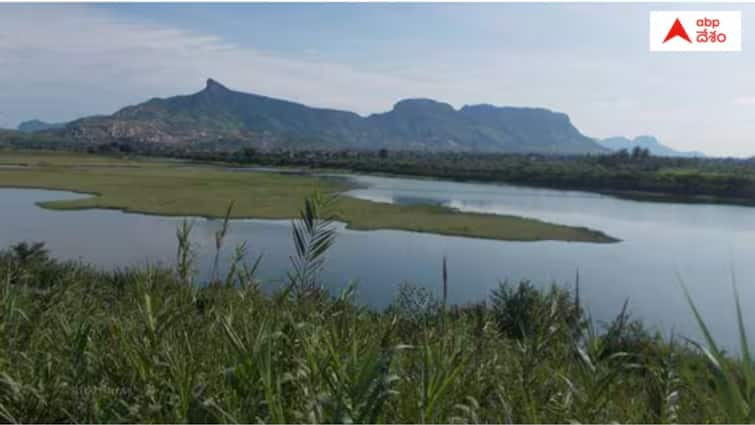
column 591, row 61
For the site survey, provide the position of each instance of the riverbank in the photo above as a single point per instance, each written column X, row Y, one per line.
column 170, row 188
column 676, row 180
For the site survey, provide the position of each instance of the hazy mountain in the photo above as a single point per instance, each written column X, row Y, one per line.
column 37, row 125
column 217, row 114
column 646, row 142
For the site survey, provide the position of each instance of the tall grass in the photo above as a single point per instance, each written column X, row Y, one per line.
column 734, row 380
column 149, row 345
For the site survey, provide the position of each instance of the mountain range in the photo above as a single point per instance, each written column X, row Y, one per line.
column 646, row 142
column 229, row 119
column 222, row 117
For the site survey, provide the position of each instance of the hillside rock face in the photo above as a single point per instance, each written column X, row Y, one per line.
column 219, row 115
column 531, row 129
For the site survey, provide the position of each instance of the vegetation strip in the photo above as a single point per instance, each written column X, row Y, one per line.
column 156, row 187
column 635, row 175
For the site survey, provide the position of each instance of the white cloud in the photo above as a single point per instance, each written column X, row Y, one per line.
column 83, row 61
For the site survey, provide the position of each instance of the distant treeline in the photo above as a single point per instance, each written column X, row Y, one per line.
column 631, row 173
column 628, row 173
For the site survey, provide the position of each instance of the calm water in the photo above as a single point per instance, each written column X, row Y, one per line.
column 702, row 243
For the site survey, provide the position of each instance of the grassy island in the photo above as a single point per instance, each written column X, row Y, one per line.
column 179, row 188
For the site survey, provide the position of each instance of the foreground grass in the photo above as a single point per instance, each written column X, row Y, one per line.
column 175, row 189
column 78, row 345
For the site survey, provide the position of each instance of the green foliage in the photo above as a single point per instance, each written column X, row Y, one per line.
column 29, row 255
column 734, row 381
column 141, row 346
column 185, row 252
column 415, row 305
column 313, row 234
column 527, row 311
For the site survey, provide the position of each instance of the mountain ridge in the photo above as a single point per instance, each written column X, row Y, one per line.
column 225, row 117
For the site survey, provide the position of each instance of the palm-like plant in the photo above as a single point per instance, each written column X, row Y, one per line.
column 313, row 234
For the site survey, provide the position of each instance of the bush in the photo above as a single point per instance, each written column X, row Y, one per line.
column 527, row 311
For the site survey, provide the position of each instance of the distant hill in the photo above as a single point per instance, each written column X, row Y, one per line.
column 218, row 115
column 37, row 125
column 646, row 142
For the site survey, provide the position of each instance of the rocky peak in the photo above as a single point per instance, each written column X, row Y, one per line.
column 214, row 86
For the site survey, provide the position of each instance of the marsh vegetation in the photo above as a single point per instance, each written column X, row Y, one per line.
column 170, row 188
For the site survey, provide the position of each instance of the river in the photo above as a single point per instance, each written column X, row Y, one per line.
column 661, row 243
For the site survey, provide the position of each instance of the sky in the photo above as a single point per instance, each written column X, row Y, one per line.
column 591, row 61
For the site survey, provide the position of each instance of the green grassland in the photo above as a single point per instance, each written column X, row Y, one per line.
column 176, row 188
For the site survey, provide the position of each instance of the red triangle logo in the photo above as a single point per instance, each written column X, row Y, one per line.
column 677, row 30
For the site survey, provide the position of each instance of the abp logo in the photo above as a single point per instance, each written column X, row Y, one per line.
column 677, row 30
column 695, row 31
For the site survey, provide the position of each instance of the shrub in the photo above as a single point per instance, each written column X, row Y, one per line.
column 526, row 310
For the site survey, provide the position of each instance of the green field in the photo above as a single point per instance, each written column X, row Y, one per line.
column 177, row 188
